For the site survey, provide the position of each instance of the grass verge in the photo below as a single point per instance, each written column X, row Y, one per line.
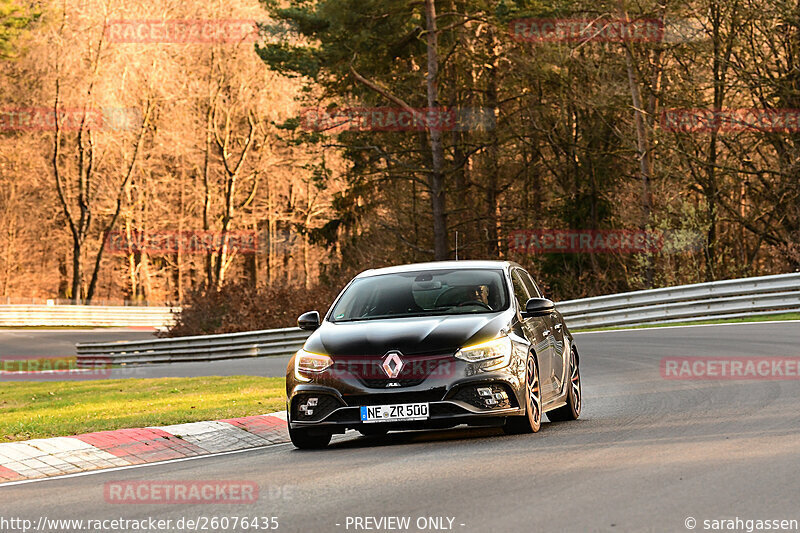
column 49, row 409
column 757, row 318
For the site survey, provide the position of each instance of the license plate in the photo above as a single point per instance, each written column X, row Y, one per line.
column 394, row 413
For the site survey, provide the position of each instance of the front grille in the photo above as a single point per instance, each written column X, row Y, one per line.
column 416, row 369
column 389, row 398
column 501, row 394
column 390, row 383
column 324, row 405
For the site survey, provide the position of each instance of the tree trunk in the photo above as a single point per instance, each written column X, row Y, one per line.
column 493, row 155
column 120, row 192
column 642, row 146
column 77, row 272
column 436, row 176
column 209, row 257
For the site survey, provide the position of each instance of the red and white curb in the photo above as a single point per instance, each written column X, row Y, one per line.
column 40, row 458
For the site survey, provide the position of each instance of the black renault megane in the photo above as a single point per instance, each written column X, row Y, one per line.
column 433, row 345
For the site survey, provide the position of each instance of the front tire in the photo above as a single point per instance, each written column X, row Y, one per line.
column 531, row 422
column 572, row 410
column 305, row 439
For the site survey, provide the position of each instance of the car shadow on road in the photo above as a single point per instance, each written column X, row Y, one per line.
column 411, row 437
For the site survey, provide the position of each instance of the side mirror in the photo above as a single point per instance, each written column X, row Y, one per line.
column 308, row 321
column 538, row 307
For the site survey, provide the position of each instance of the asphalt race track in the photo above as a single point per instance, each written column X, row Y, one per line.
column 34, row 343
column 648, row 454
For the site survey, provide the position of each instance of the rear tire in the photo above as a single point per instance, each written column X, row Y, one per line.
column 572, row 410
column 305, row 439
column 531, row 421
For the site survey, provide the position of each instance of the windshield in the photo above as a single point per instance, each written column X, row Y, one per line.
column 423, row 293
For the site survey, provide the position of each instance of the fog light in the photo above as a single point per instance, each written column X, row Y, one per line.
column 305, row 408
column 490, row 401
column 500, row 396
column 485, row 392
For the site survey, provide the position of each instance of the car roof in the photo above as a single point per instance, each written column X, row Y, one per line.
column 437, row 265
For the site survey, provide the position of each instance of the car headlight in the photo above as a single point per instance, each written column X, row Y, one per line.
column 309, row 363
column 495, row 353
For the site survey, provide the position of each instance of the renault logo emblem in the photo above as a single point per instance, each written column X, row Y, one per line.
column 392, row 364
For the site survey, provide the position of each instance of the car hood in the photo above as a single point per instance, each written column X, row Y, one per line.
column 419, row 335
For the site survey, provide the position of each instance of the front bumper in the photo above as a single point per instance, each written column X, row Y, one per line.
column 450, row 404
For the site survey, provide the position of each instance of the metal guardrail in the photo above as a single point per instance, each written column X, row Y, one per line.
column 721, row 299
column 200, row 348
column 86, row 315
column 687, row 303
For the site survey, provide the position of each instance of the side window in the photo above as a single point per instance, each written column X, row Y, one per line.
column 520, row 292
column 533, row 289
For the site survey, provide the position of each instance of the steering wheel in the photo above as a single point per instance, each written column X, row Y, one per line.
column 475, row 302
column 444, row 293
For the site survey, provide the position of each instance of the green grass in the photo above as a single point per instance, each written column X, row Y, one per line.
column 48, row 409
column 757, row 318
